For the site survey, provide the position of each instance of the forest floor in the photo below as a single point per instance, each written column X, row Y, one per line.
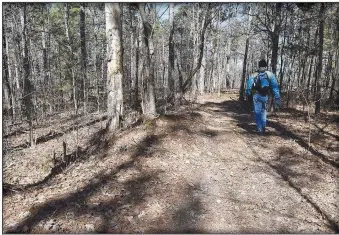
column 202, row 169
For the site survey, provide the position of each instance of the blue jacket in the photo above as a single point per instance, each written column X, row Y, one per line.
column 273, row 85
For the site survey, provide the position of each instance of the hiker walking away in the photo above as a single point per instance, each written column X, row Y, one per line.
column 258, row 85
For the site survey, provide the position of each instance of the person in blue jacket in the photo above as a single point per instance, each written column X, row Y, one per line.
column 258, row 85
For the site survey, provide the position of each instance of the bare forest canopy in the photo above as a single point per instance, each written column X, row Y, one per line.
column 133, row 118
column 58, row 57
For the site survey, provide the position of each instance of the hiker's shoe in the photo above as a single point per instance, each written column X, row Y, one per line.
column 263, row 130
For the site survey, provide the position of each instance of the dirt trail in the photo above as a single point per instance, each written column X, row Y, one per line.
column 202, row 170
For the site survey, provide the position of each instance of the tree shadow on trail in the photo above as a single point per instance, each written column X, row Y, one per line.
column 233, row 107
column 185, row 217
column 322, row 117
column 282, row 129
column 77, row 202
column 323, row 132
column 285, row 166
column 102, row 141
column 248, row 127
column 56, row 134
column 99, row 143
column 242, row 113
column 187, row 116
column 57, row 168
column 111, row 208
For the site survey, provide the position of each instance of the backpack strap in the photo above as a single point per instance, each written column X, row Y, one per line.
column 269, row 74
column 255, row 76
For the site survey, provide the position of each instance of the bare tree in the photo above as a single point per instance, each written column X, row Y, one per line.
column 202, row 72
column 320, row 57
column 206, row 21
column 28, row 86
column 243, row 78
column 171, row 52
column 7, row 91
column 275, row 36
column 83, row 54
column 148, row 95
column 71, row 56
column 114, row 65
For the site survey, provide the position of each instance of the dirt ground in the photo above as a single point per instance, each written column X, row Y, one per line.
column 202, row 169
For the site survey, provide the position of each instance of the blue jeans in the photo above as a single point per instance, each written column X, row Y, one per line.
column 260, row 104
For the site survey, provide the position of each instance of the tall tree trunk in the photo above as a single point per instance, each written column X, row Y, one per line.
column 114, row 65
column 178, row 99
column 132, row 47
column 335, row 75
column 303, row 74
column 17, row 75
column 202, row 73
column 83, row 58
column 137, row 69
column 33, row 73
column 171, row 54
column 328, row 72
column 299, row 82
column 28, row 86
column 309, row 78
column 45, row 61
column 51, row 82
column 314, row 85
column 337, row 57
column 60, row 83
column 282, row 64
column 71, row 62
column 288, row 86
column 206, row 21
column 7, row 91
column 243, row 77
column 228, row 61
column 218, row 65
column 313, row 61
column 320, row 57
column 11, row 82
column 148, row 97
column 163, row 67
column 193, row 34
column 96, row 60
column 215, row 64
column 179, row 59
column 218, row 56
column 306, row 59
column 275, row 38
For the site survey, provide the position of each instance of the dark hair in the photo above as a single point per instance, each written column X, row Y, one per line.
column 262, row 63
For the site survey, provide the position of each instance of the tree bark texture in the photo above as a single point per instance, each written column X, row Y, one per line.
column 7, row 101
column 71, row 56
column 171, row 54
column 83, row 54
column 28, row 86
column 320, row 57
column 114, row 65
column 205, row 23
column 148, row 94
column 243, row 77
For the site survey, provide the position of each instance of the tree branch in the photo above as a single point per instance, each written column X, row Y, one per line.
column 263, row 24
column 205, row 23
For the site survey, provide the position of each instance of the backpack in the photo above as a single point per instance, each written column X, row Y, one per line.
column 262, row 83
